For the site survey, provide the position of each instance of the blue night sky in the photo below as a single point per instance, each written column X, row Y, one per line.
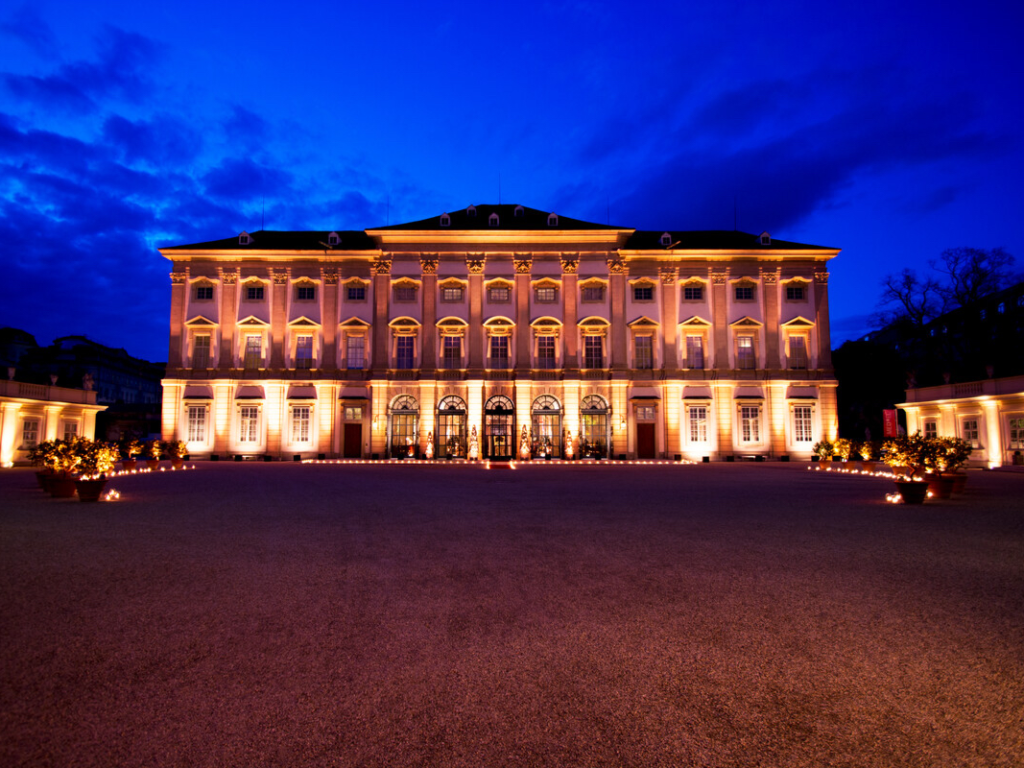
column 890, row 130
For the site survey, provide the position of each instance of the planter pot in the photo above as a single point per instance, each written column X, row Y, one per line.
column 90, row 490
column 941, row 486
column 62, row 487
column 912, row 491
column 867, row 466
column 177, row 463
column 959, row 481
column 153, row 463
column 825, row 463
column 128, row 465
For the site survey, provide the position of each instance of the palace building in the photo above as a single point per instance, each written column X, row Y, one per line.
column 500, row 327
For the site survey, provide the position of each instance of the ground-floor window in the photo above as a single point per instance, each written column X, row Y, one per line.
column 970, row 431
column 30, row 433
column 403, row 427
column 595, row 422
column 750, row 423
column 546, row 423
column 451, row 428
column 931, row 428
column 499, row 428
column 300, row 423
column 803, row 431
column 698, row 415
column 70, row 429
column 196, row 421
column 1016, row 424
column 249, row 424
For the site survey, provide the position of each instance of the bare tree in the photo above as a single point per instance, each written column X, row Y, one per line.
column 971, row 273
column 908, row 297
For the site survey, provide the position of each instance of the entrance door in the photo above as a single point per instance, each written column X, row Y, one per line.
column 499, row 436
column 646, row 448
column 353, row 447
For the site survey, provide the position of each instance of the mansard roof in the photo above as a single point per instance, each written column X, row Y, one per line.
column 711, row 240
column 529, row 219
column 270, row 240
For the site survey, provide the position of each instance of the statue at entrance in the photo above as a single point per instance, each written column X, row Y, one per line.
column 430, row 445
column 524, row 445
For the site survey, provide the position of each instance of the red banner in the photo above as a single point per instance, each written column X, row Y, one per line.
column 890, row 427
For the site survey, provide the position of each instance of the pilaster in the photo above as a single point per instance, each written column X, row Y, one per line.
column 475, row 264
column 617, row 271
column 570, row 333
column 428, row 342
column 228, row 317
column 329, row 361
column 523, row 266
column 720, row 315
column 381, row 293
column 669, row 318
column 179, row 284
column 821, row 320
column 278, row 321
column 769, row 285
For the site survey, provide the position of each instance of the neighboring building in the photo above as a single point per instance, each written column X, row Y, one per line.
column 989, row 414
column 492, row 319
column 31, row 413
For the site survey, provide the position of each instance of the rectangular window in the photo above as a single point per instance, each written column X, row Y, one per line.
column 1016, row 434
column 545, row 351
column 693, row 292
column 70, row 429
column 355, row 352
column 695, row 352
column 546, row 295
column 451, row 294
column 253, row 351
column 356, row 293
column 305, row 293
column 201, row 351
column 300, row 423
column 745, row 352
column 750, row 423
column 353, row 413
column 197, row 423
column 931, row 429
column 452, row 352
column 249, row 424
column 970, row 432
column 698, row 423
column 643, row 293
column 304, row 352
column 30, row 433
column 744, row 293
column 644, row 352
column 795, row 293
column 405, row 352
column 204, row 292
column 254, row 293
column 802, row 432
column 498, row 294
column 592, row 293
column 499, row 352
column 646, row 413
column 405, row 293
column 593, row 351
column 798, row 352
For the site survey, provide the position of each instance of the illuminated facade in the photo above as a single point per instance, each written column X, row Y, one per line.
column 531, row 331
column 33, row 413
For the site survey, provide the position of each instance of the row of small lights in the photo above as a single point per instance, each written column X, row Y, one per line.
column 892, row 498
column 113, row 495
column 487, row 462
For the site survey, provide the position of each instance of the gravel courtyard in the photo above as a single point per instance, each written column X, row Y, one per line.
column 326, row 615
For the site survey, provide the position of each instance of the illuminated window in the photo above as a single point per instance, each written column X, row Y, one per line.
column 452, row 353
column 646, row 413
column 750, row 423
column 698, row 423
column 546, row 295
column 253, row 351
column 1016, row 433
column 931, row 428
column 356, row 293
column 744, row 293
column 643, row 293
column 796, row 292
column 546, row 352
column 592, row 293
column 249, row 424
column 451, row 293
column 304, row 352
column 305, row 293
column 970, row 432
column 355, row 353
column 802, row 428
column 204, row 292
column 201, row 351
column 405, row 293
column 499, row 352
column 593, row 352
column 196, row 424
column 30, row 433
column 353, row 413
column 254, row 293
column 498, row 294
column 798, row 352
column 70, row 429
column 745, row 352
column 693, row 292
column 405, row 352
column 300, row 423
column 695, row 352
column 644, row 352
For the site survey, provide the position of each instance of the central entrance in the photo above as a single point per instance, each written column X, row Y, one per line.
column 547, row 427
column 451, row 428
column 499, row 428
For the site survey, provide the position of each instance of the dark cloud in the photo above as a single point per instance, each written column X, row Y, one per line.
column 164, row 140
column 28, row 26
column 243, row 180
column 121, row 71
column 246, row 129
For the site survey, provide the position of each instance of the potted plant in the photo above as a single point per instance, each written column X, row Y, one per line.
column 37, row 455
column 62, row 458
column 95, row 460
column 823, row 450
column 176, row 450
column 867, row 456
column 843, row 448
column 957, row 451
column 153, row 451
column 131, row 448
column 909, row 456
column 940, row 485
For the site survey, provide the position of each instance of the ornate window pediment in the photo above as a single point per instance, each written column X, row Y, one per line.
column 594, row 326
column 798, row 323
column 499, row 326
column 452, row 326
column 355, row 322
column 404, row 326
column 303, row 322
column 696, row 322
column 254, row 321
column 746, row 322
column 643, row 322
column 200, row 322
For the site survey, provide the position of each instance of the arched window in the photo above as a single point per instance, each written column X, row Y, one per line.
column 403, row 427
column 546, row 421
column 451, row 428
column 595, row 428
column 499, row 428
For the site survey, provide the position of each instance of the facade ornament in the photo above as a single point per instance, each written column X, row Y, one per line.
column 229, row 276
column 570, row 263
column 429, row 265
column 330, row 277
column 668, row 275
column 280, row 277
column 718, row 278
column 430, row 445
column 821, row 277
column 524, row 445
column 381, row 267
column 523, row 266
column 568, row 444
column 178, row 278
column 475, row 263
column 770, row 278
column 474, row 445
column 617, row 266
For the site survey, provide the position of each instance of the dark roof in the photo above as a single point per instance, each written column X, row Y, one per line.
column 529, row 219
column 711, row 239
column 351, row 240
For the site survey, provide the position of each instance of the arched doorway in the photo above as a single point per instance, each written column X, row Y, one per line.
column 403, row 427
column 595, row 428
column 547, row 427
column 499, row 428
column 451, row 428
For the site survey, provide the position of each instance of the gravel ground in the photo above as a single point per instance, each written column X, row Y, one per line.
column 324, row 615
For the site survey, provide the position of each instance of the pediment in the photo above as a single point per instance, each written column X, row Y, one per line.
column 498, row 322
column 404, row 322
column 798, row 322
column 593, row 322
column 696, row 321
column 200, row 321
column 253, row 320
column 355, row 322
column 452, row 322
column 304, row 322
column 545, row 322
column 643, row 322
column 746, row 322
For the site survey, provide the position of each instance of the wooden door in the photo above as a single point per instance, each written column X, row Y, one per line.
column 646, row 447
column 353, row 448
